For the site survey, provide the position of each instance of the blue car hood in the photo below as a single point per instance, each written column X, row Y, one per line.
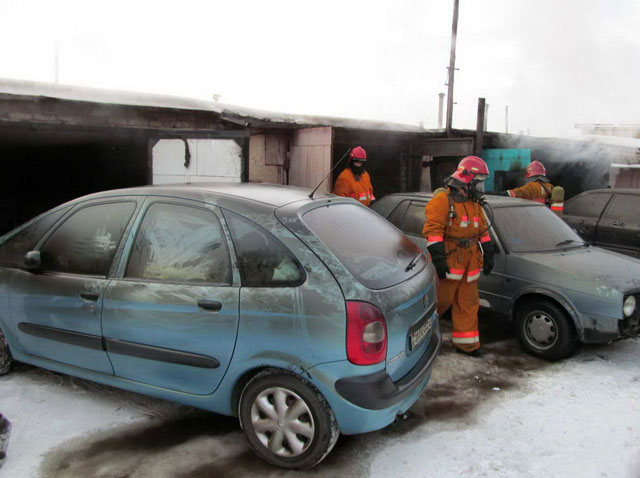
column 589, row 270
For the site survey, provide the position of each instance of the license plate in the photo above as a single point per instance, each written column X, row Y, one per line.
column 417, row 336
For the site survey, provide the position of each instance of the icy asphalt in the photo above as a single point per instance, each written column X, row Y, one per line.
column 505, row 415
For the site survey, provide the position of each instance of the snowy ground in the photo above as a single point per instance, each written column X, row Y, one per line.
column 505, row 415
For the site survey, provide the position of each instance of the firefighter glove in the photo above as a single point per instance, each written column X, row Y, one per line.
column 439, row 258
column 489, row 252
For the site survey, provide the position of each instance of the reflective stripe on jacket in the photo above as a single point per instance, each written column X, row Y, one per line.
column 469, row 223
column 347, row 186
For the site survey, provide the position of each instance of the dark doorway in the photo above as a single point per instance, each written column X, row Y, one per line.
column 441, row 168
column 41, row 170
column 504, row 180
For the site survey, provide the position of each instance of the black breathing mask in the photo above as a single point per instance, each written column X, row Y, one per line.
column 356, row 169
column 475, row 193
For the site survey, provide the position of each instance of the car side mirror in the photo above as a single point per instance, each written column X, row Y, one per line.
column 32, row 262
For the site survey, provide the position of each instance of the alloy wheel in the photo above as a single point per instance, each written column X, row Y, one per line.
column 282, row 422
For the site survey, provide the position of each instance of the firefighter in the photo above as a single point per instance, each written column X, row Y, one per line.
column 460, row 246
column 538, row 187
column 354, row 182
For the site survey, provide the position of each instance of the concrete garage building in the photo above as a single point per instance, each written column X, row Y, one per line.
column 59, row 142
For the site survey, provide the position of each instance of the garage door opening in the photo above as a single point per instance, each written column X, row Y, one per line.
column 39, row 170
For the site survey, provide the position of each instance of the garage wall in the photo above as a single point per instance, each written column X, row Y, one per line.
column 310, row 153
column 267, row 156
column 211, row 160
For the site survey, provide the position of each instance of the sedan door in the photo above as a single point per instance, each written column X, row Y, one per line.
column 583, row 212
column 619, row 227
column 170, row 316
column 57, row 311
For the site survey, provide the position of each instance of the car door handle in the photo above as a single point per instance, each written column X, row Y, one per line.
column 92, row 296
column 617, row 223
column 210, row 305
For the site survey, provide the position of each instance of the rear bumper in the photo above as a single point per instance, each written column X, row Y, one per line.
column 377, row 391
column 363, row 403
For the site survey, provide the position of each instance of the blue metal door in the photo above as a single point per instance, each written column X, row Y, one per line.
column 57, row 310
column 58, row 318
column 170, row 317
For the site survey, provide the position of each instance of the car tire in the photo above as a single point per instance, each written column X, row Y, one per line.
column 286, row 420
column 544, row 330
column 5, row 355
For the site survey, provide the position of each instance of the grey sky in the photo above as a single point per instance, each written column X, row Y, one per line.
column 555, row 63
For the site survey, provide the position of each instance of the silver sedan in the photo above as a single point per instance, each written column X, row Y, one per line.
column 559, row 290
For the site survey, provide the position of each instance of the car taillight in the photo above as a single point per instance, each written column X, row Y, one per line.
column 366, row 334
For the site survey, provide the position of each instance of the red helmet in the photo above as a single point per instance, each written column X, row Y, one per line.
column 358, row 153
column 470, row 168
column 536, row 168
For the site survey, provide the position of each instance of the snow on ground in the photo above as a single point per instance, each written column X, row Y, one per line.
column 507, row 414
column 580, row 418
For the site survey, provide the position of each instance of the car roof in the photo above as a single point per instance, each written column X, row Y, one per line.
column 614, row 190
column 272, row 194
column 494, row 201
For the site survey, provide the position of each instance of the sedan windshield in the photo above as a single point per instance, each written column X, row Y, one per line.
column 534, row 229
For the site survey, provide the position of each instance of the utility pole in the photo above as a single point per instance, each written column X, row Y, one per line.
column 452, row 67
column 481, row 125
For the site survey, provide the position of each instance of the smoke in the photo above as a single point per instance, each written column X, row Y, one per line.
column 576, row 165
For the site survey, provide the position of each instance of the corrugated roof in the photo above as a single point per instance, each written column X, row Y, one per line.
column 232, row 113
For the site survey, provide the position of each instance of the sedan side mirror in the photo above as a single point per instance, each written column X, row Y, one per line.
column 32, row 262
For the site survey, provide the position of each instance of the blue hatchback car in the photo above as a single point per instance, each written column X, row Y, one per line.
column 304, row 317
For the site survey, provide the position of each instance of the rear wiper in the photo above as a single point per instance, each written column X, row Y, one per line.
column 413, row 263
column 569, row 241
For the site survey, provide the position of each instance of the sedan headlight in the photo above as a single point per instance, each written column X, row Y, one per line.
column 629, row 306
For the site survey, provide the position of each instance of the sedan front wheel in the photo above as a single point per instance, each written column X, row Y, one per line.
column 545, row 330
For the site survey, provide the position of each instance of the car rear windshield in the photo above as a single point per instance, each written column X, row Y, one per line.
column 377, row 254
column 534, row 229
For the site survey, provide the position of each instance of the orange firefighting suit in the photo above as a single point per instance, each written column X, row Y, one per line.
column 454, row 222
column 539, row 191
column 360, row 189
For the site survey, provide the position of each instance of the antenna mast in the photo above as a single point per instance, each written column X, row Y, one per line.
column 330, row 171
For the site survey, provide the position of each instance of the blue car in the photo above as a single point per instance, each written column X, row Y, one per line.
column 305, row 317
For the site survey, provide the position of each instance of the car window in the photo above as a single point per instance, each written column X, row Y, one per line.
column 87, row 241
column 414, row 219
column 263, row 260
column 587, row 205
column 179, row 243
column 397, row 215
column 24, row 239
column 534, row 229
column 625, row 207
column 374, row 252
